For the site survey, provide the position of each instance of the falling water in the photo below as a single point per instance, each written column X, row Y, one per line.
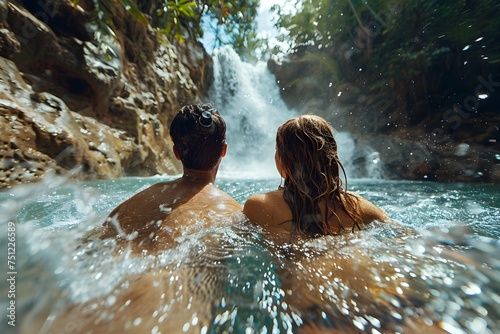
column 249, row 100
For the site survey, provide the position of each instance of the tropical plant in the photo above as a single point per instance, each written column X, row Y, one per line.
column 232, row 22
column 180, row 17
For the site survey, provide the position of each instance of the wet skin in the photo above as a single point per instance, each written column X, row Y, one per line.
column 154, row 218
column 175, row 298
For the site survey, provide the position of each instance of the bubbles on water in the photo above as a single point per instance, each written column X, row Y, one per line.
column 462, row 149
column 110, row 301
column 164, row 208
column 471, row 289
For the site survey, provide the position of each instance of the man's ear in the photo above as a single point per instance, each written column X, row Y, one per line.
column 176, row 153
column 224, row 150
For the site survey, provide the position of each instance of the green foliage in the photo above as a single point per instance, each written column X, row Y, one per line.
column 102, row 6
column 411, row 49
column 233, row 23
column 396, row 24
column 178, row 17
column 104, row 27
column 131, row 7
column 316, row 22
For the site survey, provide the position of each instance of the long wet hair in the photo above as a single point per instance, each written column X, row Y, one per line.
column 308, row 157
column 199, row 133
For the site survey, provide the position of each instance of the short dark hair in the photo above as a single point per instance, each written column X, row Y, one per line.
column 199, row 133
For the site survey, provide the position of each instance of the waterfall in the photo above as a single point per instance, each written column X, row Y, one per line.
column 248, row 98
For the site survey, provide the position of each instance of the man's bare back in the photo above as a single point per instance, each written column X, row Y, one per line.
column 155, row 218
column 182, row 295
column 166, row 297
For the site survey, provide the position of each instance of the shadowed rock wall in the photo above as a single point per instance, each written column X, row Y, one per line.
column 446, row 146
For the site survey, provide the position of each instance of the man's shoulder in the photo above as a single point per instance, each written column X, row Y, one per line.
column 160, row 187
column 228, row 199
column 211, row 190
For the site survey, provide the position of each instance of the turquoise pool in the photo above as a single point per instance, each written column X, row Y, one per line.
column 369, row 282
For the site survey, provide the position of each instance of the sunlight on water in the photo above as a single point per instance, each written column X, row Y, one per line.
column 230, row 277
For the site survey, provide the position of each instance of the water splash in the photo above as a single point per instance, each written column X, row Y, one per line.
column 448, row 276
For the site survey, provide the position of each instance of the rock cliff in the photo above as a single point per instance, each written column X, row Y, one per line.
column 73, row 98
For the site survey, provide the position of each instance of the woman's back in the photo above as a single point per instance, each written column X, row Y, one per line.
column 313, row 200
column 273, row 214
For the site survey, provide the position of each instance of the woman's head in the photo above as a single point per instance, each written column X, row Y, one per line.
column 199, row 136
column 307, row 158
column 305, row 147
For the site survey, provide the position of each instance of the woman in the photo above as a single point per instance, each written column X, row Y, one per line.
column 339, row 288
column 312, row 201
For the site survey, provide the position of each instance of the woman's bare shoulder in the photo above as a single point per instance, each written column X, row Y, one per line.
column 256, row 203
column 369, row 211
column 259, row 207
column 264, row 197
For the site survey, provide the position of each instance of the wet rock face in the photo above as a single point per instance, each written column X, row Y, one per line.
column 392, row 157
column 71, row 97
column 39, row 133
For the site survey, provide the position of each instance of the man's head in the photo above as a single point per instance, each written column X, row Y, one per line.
column 199, row 136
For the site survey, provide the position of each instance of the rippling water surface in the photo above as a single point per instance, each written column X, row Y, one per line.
column 232, row 278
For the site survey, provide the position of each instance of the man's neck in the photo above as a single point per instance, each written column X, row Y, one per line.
column 200, row 176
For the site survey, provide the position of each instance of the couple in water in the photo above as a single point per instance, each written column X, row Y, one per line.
column 311, row 203
column 183, row 298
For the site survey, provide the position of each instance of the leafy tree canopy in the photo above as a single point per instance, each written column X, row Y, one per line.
column 232, row 22
column 416, row 50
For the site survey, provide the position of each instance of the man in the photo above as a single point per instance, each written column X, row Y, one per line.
column 178, row 288
column 155, row 218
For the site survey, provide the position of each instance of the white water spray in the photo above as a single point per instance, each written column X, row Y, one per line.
column 359, row 161
column 248, row 98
